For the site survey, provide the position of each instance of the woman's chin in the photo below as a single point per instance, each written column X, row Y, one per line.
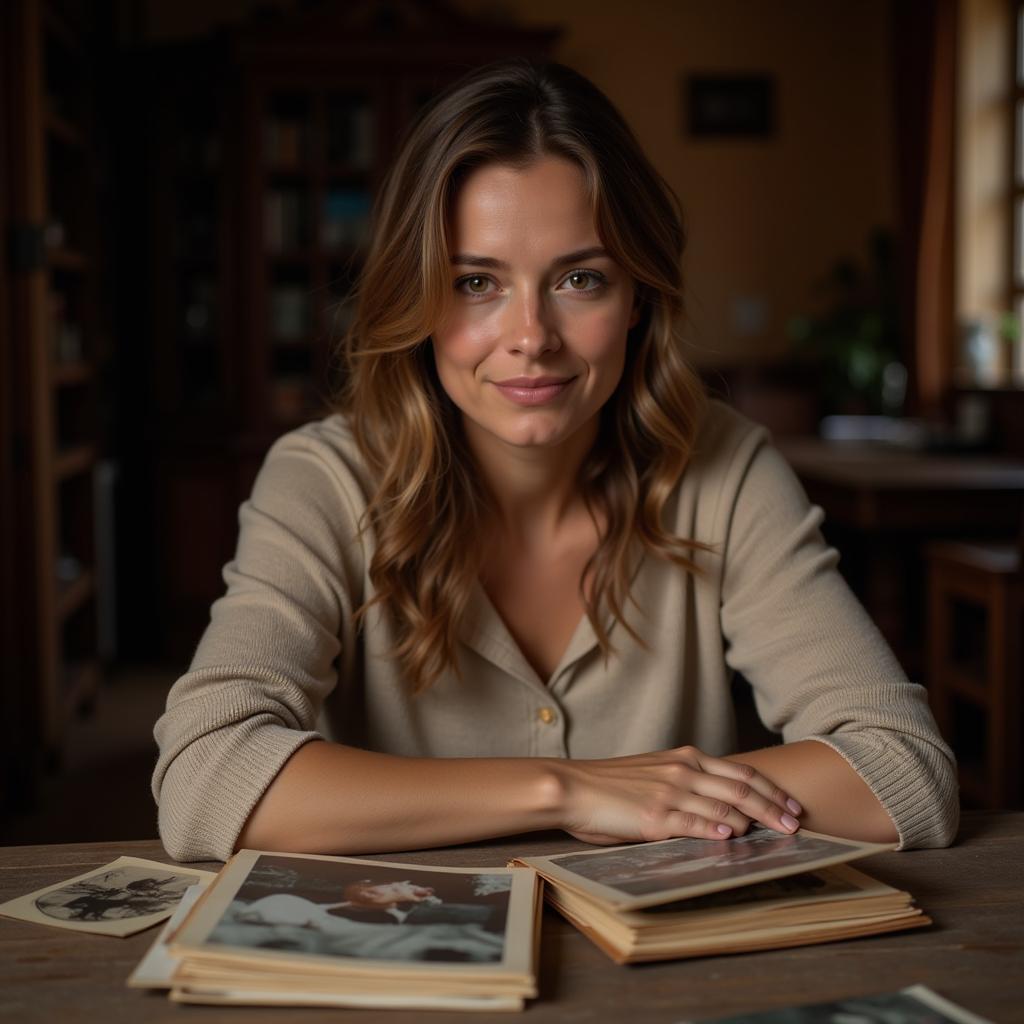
column 532, row 430
column 537, row 435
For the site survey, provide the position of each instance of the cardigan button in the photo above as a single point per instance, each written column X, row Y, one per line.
column 546, row 715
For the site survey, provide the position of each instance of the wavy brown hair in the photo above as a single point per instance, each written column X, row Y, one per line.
column 431, row 506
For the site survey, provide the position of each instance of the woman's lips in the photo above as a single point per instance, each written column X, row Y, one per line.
column 534, row 394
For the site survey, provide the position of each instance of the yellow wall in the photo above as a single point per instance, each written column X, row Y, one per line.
column 766, row 218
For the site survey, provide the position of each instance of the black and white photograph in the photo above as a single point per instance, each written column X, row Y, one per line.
column 347, row 910
column 915, row 1005
column 648, row 874
column 368, row 912
column 125, row 896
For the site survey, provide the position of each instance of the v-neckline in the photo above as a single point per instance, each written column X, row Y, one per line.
column 486, row 632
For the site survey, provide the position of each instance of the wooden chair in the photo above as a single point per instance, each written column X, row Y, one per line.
column 976, row 593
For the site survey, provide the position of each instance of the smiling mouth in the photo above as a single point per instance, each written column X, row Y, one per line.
column 535, row 391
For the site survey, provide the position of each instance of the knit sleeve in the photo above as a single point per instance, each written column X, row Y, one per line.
column 266, row 661
column 819, row 667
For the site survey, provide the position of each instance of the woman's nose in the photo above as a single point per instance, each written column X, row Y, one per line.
column 531, row 331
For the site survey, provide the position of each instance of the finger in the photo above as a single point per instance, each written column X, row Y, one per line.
column 747, row 773
column 748, row 800
column 687, row 823
column 719, row 812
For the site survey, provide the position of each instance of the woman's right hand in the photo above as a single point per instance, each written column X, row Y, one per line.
column 666, row 794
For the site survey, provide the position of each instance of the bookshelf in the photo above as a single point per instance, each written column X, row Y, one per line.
column 58, row 348
column 318, row 166
column 287, row 128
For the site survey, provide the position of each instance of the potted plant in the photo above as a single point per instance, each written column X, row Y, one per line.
column 854, row 337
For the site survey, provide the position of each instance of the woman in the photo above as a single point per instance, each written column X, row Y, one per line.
column 526, row 539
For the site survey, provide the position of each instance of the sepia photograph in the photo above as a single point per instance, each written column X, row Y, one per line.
column 125, row 896
column 346, row 909
column 645, row 875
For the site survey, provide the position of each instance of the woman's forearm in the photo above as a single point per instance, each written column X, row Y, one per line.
column 834, row 797
column 335, row 799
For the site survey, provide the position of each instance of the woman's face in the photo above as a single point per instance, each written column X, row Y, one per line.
column 534, row 342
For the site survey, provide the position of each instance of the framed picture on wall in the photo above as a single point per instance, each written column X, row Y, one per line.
column 729, row 106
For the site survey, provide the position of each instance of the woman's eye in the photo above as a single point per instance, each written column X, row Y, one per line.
column 585, row 281
column 474, row 285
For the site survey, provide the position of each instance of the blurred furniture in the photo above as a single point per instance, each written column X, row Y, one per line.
column 973, row 891
column 265, row 145
column 58, row 345
column 883, row 504
column 975, row 664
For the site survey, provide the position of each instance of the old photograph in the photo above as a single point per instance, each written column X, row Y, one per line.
column 916, row 1005
column 348, row 910
column 649, row 874
column 125, row 896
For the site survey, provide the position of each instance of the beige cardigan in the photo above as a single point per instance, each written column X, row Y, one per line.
column 280, row 662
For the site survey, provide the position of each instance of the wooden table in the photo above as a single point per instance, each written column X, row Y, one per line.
column 882, row 504
column 973, row 954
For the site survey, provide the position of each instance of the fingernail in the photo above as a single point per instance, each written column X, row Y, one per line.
column 725, row 830
column 790, row 823
column 794, row 806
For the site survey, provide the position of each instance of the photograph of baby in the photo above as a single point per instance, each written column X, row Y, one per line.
column 697, row 865
column 367, row 912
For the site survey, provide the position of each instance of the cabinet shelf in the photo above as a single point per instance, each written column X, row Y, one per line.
column 73, row 461
column 62, row 129
column 67, row 259
column 80, row 684
column 70, row 374
column 291, row 257
column 58, row 322
column 71, row 596
column 302, row 171
column 350, row 172
column 58, row 26
column 968, row 686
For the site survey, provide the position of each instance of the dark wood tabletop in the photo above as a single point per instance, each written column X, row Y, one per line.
column 972, row 954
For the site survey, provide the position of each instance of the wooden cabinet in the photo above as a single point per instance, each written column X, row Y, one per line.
column 56, row 349
column 267, row 145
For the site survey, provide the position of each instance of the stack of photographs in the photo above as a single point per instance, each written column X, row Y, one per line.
column 306, row 930
column 693, row 897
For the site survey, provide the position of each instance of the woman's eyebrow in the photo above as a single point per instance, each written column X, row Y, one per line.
column 469, row 260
